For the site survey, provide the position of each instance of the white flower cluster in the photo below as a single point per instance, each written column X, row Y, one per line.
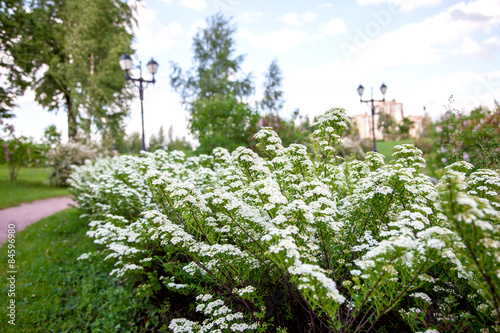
column 349, row 241
column 329, row 128
column 220, row 318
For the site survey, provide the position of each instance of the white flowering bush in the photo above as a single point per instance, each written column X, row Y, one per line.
column 290, row 242
column 62, row 156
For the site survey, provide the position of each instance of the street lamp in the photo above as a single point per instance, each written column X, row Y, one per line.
column 383, row 89
column 125, row 62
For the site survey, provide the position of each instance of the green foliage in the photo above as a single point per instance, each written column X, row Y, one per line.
column 391, row 129
column 273, row 101
column 297, row 129
column 19, row 151
column 179, row 144
column 169, row 144
column 157, row 142
column 221, row 121
column 128, row 144
column 425, row 145
column 51, row 135
column 55, row 292
column 474, row 138
column 215, row 70
column 404, row 128
column 251, row 243
column 29, row 186
column 386, row 124
column 14, row 84
column 64, row 156
column 78, row 42
column 213, row 90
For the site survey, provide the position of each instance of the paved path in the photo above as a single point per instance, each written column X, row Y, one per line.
column 28, row 213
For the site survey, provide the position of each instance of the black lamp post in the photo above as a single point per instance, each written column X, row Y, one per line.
column 383, row 89
column 126, row 65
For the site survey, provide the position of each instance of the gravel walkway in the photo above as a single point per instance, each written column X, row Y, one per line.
column 28, row 213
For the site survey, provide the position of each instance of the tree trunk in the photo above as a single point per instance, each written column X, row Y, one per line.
column 89, row 113
column 72, row 128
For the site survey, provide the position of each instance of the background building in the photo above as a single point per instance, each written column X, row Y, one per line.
column 363, row 122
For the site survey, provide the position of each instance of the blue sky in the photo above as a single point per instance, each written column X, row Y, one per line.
column 423, row 50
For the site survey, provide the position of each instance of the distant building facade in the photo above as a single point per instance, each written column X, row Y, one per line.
column 393, row 108
column 363, row 122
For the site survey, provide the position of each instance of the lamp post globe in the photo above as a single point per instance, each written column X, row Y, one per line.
column 152, row 66
column 383, row 89
column 360, row 90
column 125, row 62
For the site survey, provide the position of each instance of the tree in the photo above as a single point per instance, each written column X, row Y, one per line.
column 12, row 76
column 474, row 137
column 404, row 128
column 386, row 124
column 297, row 129
column 177, row 144
column 222, row 121
column 157, row 142
column 273, row 95
column 51, row 135
column 214, row 91
column 19, row 151
column 128, row 144
column 67, row 52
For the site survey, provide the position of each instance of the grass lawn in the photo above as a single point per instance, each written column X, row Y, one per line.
column 386, row 148
column 28, row 187
column 54, row 292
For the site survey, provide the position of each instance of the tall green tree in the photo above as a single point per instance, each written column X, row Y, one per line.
column 177, row 143
column 214, row 90
column 386, row 123
column 67, row 51
column 273, row 101
column 157, row 141
column 404, row 128
column 128, row 144
column 13, row 78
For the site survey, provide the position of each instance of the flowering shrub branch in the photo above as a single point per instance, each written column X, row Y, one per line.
column 294, row 243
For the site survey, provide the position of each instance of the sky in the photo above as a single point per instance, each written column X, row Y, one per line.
column 424, row 51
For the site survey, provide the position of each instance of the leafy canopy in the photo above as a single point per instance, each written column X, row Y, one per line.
column 67, row 52
column 214, row 90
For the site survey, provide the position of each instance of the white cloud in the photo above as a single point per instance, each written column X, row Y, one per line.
column 227, row 7
column 473, row 49
column 297, row 20
column 469, row 90
column 404, row 5
column 153, row 36
column 168, row 2
column 314, row 88
column 334, row 27
column 309, row 17
column 425, row 42
column 194, row 4
column 31, row 118
column 291, row 19
column 249, row 17
column 275, row 41
column 325, row 5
